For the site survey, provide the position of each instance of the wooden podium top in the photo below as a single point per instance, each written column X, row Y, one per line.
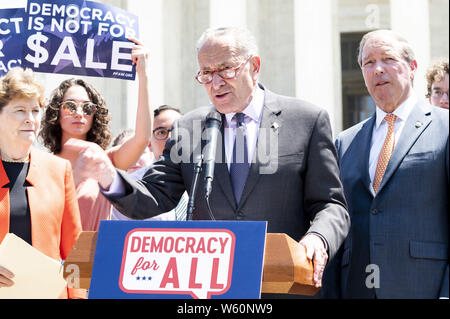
column 286, row 268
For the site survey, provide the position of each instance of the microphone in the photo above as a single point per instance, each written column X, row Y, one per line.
column 213, row 123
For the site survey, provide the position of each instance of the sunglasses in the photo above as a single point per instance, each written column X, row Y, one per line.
column 70, row 107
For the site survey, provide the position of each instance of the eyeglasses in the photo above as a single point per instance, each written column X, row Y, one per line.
column 438, row 93
column 161, row 133
column 70, row 107
column 205, row 77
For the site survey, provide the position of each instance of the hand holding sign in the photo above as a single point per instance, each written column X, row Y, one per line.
column 139, row 56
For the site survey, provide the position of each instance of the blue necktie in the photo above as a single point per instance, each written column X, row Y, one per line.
column 239, row 166
column 180, row 209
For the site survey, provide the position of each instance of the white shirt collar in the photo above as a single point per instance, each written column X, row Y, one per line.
column 402, row 111
column 254, row 109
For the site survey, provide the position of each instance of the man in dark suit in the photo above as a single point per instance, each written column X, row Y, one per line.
column 288, row 172
column 394, row 168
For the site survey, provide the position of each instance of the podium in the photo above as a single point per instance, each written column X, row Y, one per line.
column 286, row 270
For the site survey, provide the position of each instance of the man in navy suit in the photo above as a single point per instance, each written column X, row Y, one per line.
column 395, row 172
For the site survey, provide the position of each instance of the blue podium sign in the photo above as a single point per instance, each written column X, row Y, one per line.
column 178, row 259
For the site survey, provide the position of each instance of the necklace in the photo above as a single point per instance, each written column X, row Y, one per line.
column 7, row 159
column 16, row 161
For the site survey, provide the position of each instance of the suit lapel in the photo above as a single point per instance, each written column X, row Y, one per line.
column 4, row 203
column 34, row 198
column 356, row 157
column 32, row 177
column 33, row 171
column 271, row 114
column 365, row 142
column 417, row 122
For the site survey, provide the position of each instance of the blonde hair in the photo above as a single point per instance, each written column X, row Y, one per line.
column 19, row 83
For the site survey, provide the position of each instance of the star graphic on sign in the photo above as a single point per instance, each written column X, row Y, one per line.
column 143, row 278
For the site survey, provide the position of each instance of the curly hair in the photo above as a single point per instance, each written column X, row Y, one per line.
column 51, row 132
column 436, row 73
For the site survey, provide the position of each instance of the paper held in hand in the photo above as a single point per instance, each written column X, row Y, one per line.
column 35, row 274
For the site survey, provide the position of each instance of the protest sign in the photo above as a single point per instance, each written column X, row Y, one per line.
column 198, row 262
column 12, row 28
column 79, row 37
column 178, row 259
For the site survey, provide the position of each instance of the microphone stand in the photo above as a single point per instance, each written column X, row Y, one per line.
column 197, row 170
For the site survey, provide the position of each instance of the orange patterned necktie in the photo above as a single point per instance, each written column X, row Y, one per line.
column 385, row 153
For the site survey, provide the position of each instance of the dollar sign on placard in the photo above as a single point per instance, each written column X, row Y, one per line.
column 41, row 54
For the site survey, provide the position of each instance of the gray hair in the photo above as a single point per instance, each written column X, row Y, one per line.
column 406, row 50
column 239, row 37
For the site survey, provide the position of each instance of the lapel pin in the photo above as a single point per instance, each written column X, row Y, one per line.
column 418, row 124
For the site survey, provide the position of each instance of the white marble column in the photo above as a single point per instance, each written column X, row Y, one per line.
column 411, row 19
column 317, row 56
column 150, row 29
column 227, row 13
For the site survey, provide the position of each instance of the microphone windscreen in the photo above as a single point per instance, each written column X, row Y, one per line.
column 214, row 115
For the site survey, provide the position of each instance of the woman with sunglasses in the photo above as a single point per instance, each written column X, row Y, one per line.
column 37, row 193
column 77, row 119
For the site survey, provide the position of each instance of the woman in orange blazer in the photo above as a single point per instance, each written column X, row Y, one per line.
column 37, row 194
